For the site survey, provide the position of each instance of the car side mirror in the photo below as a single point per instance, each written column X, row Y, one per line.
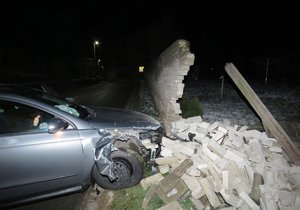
column 56, row 124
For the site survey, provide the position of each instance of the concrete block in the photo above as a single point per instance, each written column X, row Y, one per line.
column 151, row 180
column 277, row 149
column 231, row 199
column 217, row 135
column 227, row 181
column 180, row 156
column 257, row 155
column 294, row 173
column 193, row 171
column 254, row 134
column 223, row 130
column 212, row 127
column 166, row 160
column 249, row 201
column 175, row 192
column 242, row 129
column 203, row 125
column 286, row 198
column 168, row 182
column 216, row 148
column 195, row 119
column 163, row 169
column 255, row 190
column 193, row 184
column 181, row 169
column 165, row 152
column 216, row 177
column 210, row 193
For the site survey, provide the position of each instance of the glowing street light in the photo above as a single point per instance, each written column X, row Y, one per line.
column 95, row 44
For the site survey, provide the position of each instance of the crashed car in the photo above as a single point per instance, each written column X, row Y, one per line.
column 51, row 147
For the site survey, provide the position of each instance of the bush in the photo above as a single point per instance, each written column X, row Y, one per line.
column 190, row 107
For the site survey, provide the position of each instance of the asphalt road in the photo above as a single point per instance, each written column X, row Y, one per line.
column 111, row 94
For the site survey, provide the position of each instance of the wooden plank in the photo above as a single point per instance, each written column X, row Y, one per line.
column 267, row 118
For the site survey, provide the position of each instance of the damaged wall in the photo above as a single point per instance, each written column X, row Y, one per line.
column 165, row 80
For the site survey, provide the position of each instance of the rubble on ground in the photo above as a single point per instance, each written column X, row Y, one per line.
column 220, row 166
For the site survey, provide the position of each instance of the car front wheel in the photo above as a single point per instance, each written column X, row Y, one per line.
column 127, row 168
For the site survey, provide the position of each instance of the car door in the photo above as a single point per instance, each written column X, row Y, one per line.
column 32, row 161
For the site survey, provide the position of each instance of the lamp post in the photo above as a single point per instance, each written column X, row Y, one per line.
column 95, row 44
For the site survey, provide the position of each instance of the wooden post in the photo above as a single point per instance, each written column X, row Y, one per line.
column 222, row 86
column 267, row 70
column 267, row 118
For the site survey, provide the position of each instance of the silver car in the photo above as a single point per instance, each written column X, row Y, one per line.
column 50, row 146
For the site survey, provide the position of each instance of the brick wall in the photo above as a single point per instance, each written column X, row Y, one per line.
column 165, row 80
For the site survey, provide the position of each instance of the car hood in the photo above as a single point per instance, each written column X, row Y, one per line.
column 106, row 117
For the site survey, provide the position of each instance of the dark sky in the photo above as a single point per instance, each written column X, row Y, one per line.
column 216, row 29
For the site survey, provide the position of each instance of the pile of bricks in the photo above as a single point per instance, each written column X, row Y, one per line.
column 219, row 166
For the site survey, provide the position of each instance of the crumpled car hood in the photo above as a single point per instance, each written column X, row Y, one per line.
column 121, row 118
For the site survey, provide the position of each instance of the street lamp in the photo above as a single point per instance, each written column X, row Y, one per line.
column 95, row 44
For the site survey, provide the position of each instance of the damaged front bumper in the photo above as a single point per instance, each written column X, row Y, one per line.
column 146, row 143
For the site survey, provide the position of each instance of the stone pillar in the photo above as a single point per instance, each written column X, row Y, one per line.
column 165, row 80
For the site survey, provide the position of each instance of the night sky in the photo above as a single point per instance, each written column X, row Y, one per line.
column 216, row 31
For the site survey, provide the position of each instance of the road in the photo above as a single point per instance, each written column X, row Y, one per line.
column 111, row 94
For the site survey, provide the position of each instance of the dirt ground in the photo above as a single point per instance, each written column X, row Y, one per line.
column 98, row 199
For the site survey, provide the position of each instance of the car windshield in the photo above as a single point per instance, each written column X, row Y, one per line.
column 66, row 106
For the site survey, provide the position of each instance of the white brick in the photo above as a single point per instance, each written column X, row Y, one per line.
column 211, row 195
column 165, row 152
column 216, row 148
column 193, row 184
column 213, row 127
column 166, row 160
column 249, row 201
column 277, row 149
column 227, row 180
column 223, row 130
column 231, row 199
column 204, row 125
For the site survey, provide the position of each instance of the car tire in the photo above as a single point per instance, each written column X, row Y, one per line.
column 128, row 169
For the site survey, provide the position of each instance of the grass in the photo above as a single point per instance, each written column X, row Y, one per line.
column 132, row 198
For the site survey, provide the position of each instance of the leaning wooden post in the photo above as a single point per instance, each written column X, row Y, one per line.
column 268, row 121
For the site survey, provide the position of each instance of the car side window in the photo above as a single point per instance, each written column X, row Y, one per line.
column 17, row 118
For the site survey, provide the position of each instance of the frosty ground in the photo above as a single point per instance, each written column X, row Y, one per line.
column 281, row 99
